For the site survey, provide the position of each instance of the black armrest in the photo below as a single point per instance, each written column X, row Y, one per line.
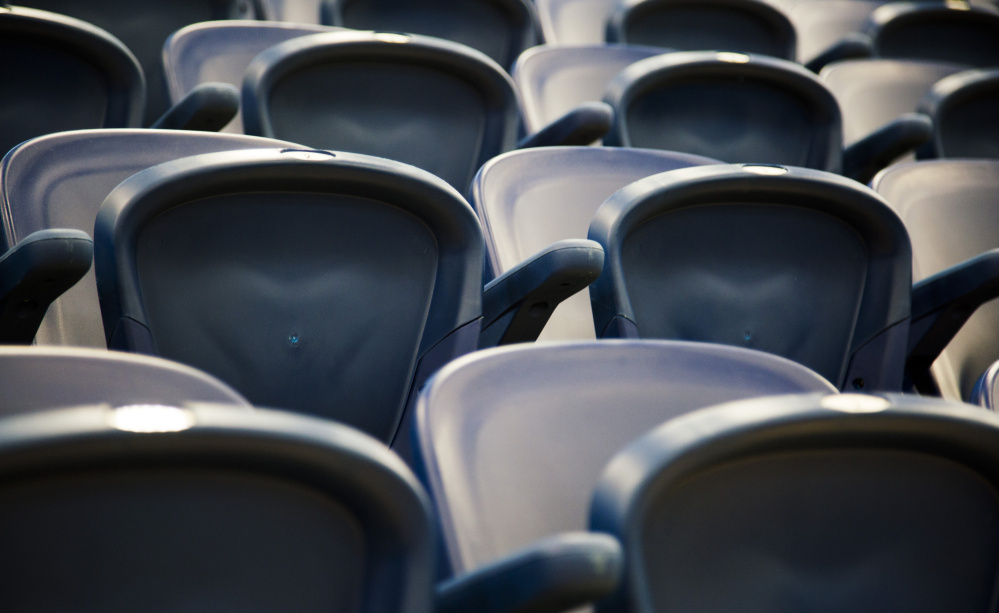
column 941, row 304
column 864, row 158
column 206, row 108
column 517, row 305
column 579, row 127
column 556, row 574
column 35, row 272
column 851, row 46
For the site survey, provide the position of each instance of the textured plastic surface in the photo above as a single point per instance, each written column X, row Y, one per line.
column 63, row 74
column 61, row 180
column 430, row 103
column 144, row 30
column 746, row 26
column 873, row 93
column 808, row 503
column 801, row 263
column 528, row 200
column 951, row 210
column 513, row 439
column 737, row 108
column 963, row 107
column 941, row 31
column 499, row 28
column 243, row 511
column 553, row 80
column 306, row 280
column 221, row 51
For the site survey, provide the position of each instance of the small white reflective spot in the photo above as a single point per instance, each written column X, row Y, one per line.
column 770, row 171
column 389, row 37
column 150, row 418
column 855, row 403
column 732, row 58
column 309, row 156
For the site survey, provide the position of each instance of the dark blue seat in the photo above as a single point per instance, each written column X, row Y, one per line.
column 60, row 181
column 804, row 264
column 206, row 508
column 501, row 29
column 745, row 109
column 512, row 441
column 952, row 32
column 965, row 123
column 746, row 26
column 327, row 283
column 808, row 503
column 529, row 199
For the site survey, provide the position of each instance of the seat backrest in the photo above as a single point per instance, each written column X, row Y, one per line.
column 872, row 93
column 63, row 74
column 808, row 503
column 554, row 79
column 501, row 29
column 143, row 29
column 728, row 106
column 531, row 198
column 307, row 280
column 953, row 32
column 39, row 378
column 746, row 26
column 204, row 508
column 804, row 264
column 512, row 440
column 820, row 25
column 220, row 52
column 295, row 11
column 951, row 210
column 341, row 91
column 573, row 22
column 965, row 123
column 60, row 181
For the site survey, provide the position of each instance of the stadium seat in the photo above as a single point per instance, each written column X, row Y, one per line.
column 60, row 181
column 954, row 32
column 746, row 26
column 807, row 503
column 951, row 211
column 574, row 22
column 830, row 30
column 431, row 103
column 512, row 440
column 326, row 283
column 744, row 109
column 965, row 123
column 529, row 199
column 501, row 29
column 295, row 11
column 143, row 29
column 804, row 264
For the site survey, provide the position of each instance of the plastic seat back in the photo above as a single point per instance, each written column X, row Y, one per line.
column 204, row 508
column 746, row 26
column 965, row 123
column 513, row 440
column 221, row 51
column 945, row 32
column 63, row 74
column 872, row 93
column 144, row 29
column 552, row 80
column 312, row 281
column 529, row 199
column 501, row 29
column 951, row 210
column 60, row 181
column 295, row 11
column 841, row 503
column 728, row 106
column 574, row 22
column 821, row 24
column 804, row 264
column 343, row 92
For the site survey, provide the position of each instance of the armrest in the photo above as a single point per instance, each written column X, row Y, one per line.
column 864, row 158
column 851, row 46
column 206, row 108
column 941, row 304
column 35, row 272
column 579, row 127
column 517, row 305
column 556, row 574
